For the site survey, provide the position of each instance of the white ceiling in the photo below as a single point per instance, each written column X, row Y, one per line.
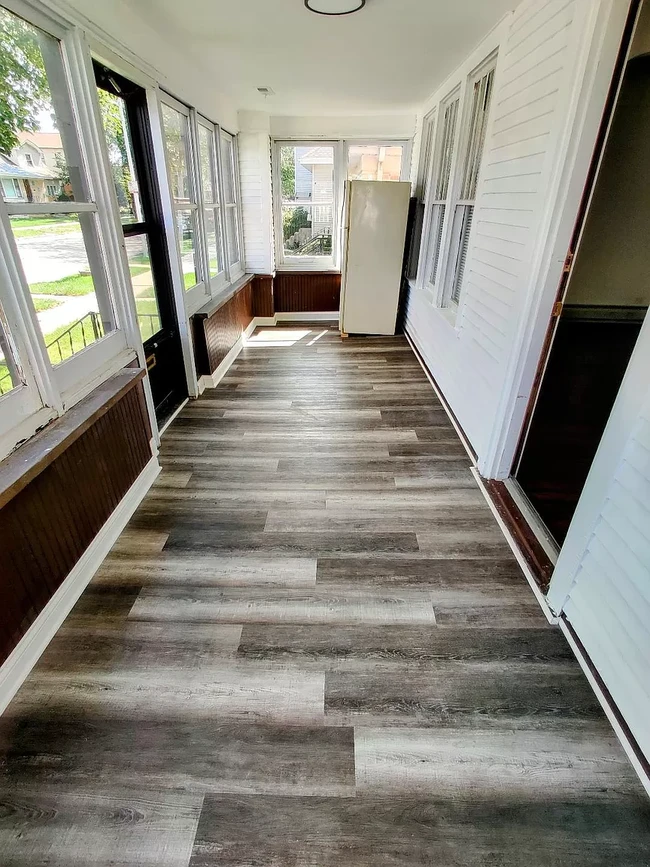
column 388, row 57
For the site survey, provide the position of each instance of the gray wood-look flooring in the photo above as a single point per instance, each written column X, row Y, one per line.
column 312, row 647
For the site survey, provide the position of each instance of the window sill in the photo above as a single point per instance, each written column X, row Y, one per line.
column 224, row 296
column 27, row 462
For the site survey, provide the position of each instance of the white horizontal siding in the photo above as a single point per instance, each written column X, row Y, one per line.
column 609, row 602
column 255, row 184
column 535, row 75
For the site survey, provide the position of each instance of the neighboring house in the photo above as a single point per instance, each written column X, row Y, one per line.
column 29, row 174
column 27, row 184
column 317, row 163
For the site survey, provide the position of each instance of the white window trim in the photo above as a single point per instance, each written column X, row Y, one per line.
column 308, row 263
column 428, row 249
column 197, row 295
column 236, row 269
column 219, row 281
column 445, row 300
column 48, row 390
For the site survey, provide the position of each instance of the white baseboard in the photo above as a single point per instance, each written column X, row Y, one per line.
column 28, row 651
column 332, row 316
column 621, row 734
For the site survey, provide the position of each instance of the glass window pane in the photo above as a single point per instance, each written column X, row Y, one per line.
column 176, row 146
column 213, row 233
column 120, row 155
column 144, row 288
column 185, row 226
column 233, row 238
column 40, row 159
column 375, row 163
column 10, row 374
column 72, row 305
column 307, row 173
column 307, row 230
column 227, row 167
column 206, row 159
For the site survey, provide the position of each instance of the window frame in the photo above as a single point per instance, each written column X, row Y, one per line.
column 222, row 278
column 453, row 231
column 48, row 391
column 436, row 246
column 309, row 263
column 197, row 295
column 235, row 269
column 405, row 144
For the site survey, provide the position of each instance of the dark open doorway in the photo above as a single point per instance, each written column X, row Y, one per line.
column 126, row 125
column 606, row 300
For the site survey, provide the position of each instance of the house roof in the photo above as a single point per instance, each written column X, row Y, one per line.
column 8, row 169
column 318, row 156
column 43, row 140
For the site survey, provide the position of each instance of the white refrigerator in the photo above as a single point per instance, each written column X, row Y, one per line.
column 374, row 235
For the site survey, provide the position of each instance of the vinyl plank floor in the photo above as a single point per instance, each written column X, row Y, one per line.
column 313, row 647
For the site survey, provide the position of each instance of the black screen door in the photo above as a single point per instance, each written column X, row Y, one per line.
column 126, row 125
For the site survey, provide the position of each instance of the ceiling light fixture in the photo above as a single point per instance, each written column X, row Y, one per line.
column 334, row 7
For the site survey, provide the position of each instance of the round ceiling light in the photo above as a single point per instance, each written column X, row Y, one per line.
column 335, row 7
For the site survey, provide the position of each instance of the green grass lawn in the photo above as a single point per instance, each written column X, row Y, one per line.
column 82, row 335
column 33, row 222
column 76, row 284
column 5, row 384
column 45, row 303
column 189, row 277
column 147, row 307
column 58, row 229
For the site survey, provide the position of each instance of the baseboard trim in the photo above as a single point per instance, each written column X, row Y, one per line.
column 332, row 316
column 516, row 550
column 413, row 343
column 28, row 651
column 171, row 418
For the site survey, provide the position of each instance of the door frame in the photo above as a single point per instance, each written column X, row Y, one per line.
column 603, row 37
column 579, row 228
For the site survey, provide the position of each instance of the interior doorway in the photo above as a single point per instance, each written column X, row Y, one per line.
column 125, row 118
column 604, row 305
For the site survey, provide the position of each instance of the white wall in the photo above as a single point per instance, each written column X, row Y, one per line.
column 545, row 48
column 255, row 185
column 399, row 126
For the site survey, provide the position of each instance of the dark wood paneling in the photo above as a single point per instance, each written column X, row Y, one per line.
column 216, row 331
column 263, row 301
column 307, row 291
column 47, row 524
column 583, row 376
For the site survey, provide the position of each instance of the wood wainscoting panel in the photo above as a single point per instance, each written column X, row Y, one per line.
column 49, row 523
column 263, row 301
column 307, row 291
column 217, row 329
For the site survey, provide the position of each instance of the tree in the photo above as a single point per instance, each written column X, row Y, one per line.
column 288, row 172
column 24, row 90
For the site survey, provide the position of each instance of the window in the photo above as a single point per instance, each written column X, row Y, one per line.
column 184, row 189
column 377, row 162
column 29, row 160
column 439, row 185
column 306, row 225
column 463, row 207
column 231, row 201
column 60, row 246
column 208, row 167
column 421, row 193
column 62, row 288
column 12, row 189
